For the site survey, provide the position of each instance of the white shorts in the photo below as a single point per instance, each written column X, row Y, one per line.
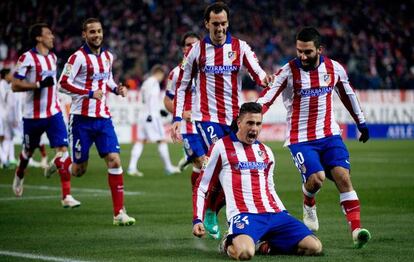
column 151, row 131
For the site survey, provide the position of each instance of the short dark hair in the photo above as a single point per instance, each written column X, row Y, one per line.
column 187, row 35
column 4, row 72
column 157, row 68
column 308, row 34
column 88, row 21
column 250, row 107
column 36, row 30
column 216, row 7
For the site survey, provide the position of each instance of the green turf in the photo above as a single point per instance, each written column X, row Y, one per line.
column 382, row 173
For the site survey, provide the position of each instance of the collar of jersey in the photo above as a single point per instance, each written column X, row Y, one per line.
column 299, row 63
column 88, row 50
column 234, row 138
column 207, row 39
column 37, row 52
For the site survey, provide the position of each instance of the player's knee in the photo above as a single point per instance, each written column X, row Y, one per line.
column 310, row 246
column 316, row 180
column 78, row 170
column 243, row 247
column 113, row 161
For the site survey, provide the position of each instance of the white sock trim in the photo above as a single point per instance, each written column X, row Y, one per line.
column 307, row 193
column 115, row 171
column 347, row 196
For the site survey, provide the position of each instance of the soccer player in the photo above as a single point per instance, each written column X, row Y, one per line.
column 313, row 136
column 87, row 78
column 35, row 74
column 192, row 141
column 215, row 63
column 7, row 113
column 150, row 127
column 244, row 167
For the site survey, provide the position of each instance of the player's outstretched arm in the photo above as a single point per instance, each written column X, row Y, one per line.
column 198, row 230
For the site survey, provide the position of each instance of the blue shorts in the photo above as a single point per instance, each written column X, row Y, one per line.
column 54, row 127
column 193, row 146
column 320, row 155
column 211, row 132
column 282, row 230
column 84, row 131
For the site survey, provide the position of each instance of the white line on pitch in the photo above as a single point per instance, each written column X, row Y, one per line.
column 85, row 190
column 37, row 257
column 46, row 197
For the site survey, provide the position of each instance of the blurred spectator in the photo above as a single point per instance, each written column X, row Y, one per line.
column 373, row 39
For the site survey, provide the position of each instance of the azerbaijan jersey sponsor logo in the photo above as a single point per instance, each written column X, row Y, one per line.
column 100, row 76
column 310, row 92
column 220, row 69
column 251, row 165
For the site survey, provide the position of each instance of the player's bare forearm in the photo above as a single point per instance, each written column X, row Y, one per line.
column 23, row 86
column 122, row 90
column 169, row 104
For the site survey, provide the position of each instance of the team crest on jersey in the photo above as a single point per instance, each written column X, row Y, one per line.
column 68, row 70
column 232, row 55
column 260, row 153
column 183, row 63
column 327, row 79
column 78, row 155
column 240, row 225
column 108, row 63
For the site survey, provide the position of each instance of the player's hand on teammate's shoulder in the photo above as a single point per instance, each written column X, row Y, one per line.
column 122, row 90
column 268, row 80
column 98, row 94
column 198, row 230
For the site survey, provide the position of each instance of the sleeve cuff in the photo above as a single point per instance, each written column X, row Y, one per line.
column 177, row 119
column 169, row 95
column 16, row 75
column 196, row 221
column 90, row 94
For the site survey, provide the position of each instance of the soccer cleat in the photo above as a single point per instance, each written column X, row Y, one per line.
column 122, row 219
column 18, row 186
column 310, row 218
column 69, row 201
column 211, row 224
column 135, row 173
column 43, row 162
column 262, row 248
column 172, row 171
column 222, row 248
column 360, row 236
column 183, row 164
column 33, row 163
column 52, row 168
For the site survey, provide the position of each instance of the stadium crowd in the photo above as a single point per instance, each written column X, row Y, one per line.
column 373, row 39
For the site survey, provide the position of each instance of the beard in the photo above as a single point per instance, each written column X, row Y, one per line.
column 311, row 63
column 94, row 46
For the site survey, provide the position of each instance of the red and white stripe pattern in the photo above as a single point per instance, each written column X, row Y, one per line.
column 246, row 174
column 308, row 98
column 216, row 70
column 84, row 72
column 189, row 105
column 34, row 67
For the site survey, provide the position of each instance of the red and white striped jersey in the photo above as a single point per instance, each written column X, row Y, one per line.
column 34, row 67
column 308, row 98
column 246, row 174
column 216, row 71
column 85, row 72
column 189, row 105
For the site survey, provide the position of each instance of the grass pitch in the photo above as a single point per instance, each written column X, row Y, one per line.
column 36, row 227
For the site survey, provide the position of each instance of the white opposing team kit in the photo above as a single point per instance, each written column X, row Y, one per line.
column 150, row 130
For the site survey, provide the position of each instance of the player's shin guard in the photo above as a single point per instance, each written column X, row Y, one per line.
column 63, row 165
column 24, row 161
column 194, row 177
column 116, row 183
column 350, row 206
column 308, row 197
